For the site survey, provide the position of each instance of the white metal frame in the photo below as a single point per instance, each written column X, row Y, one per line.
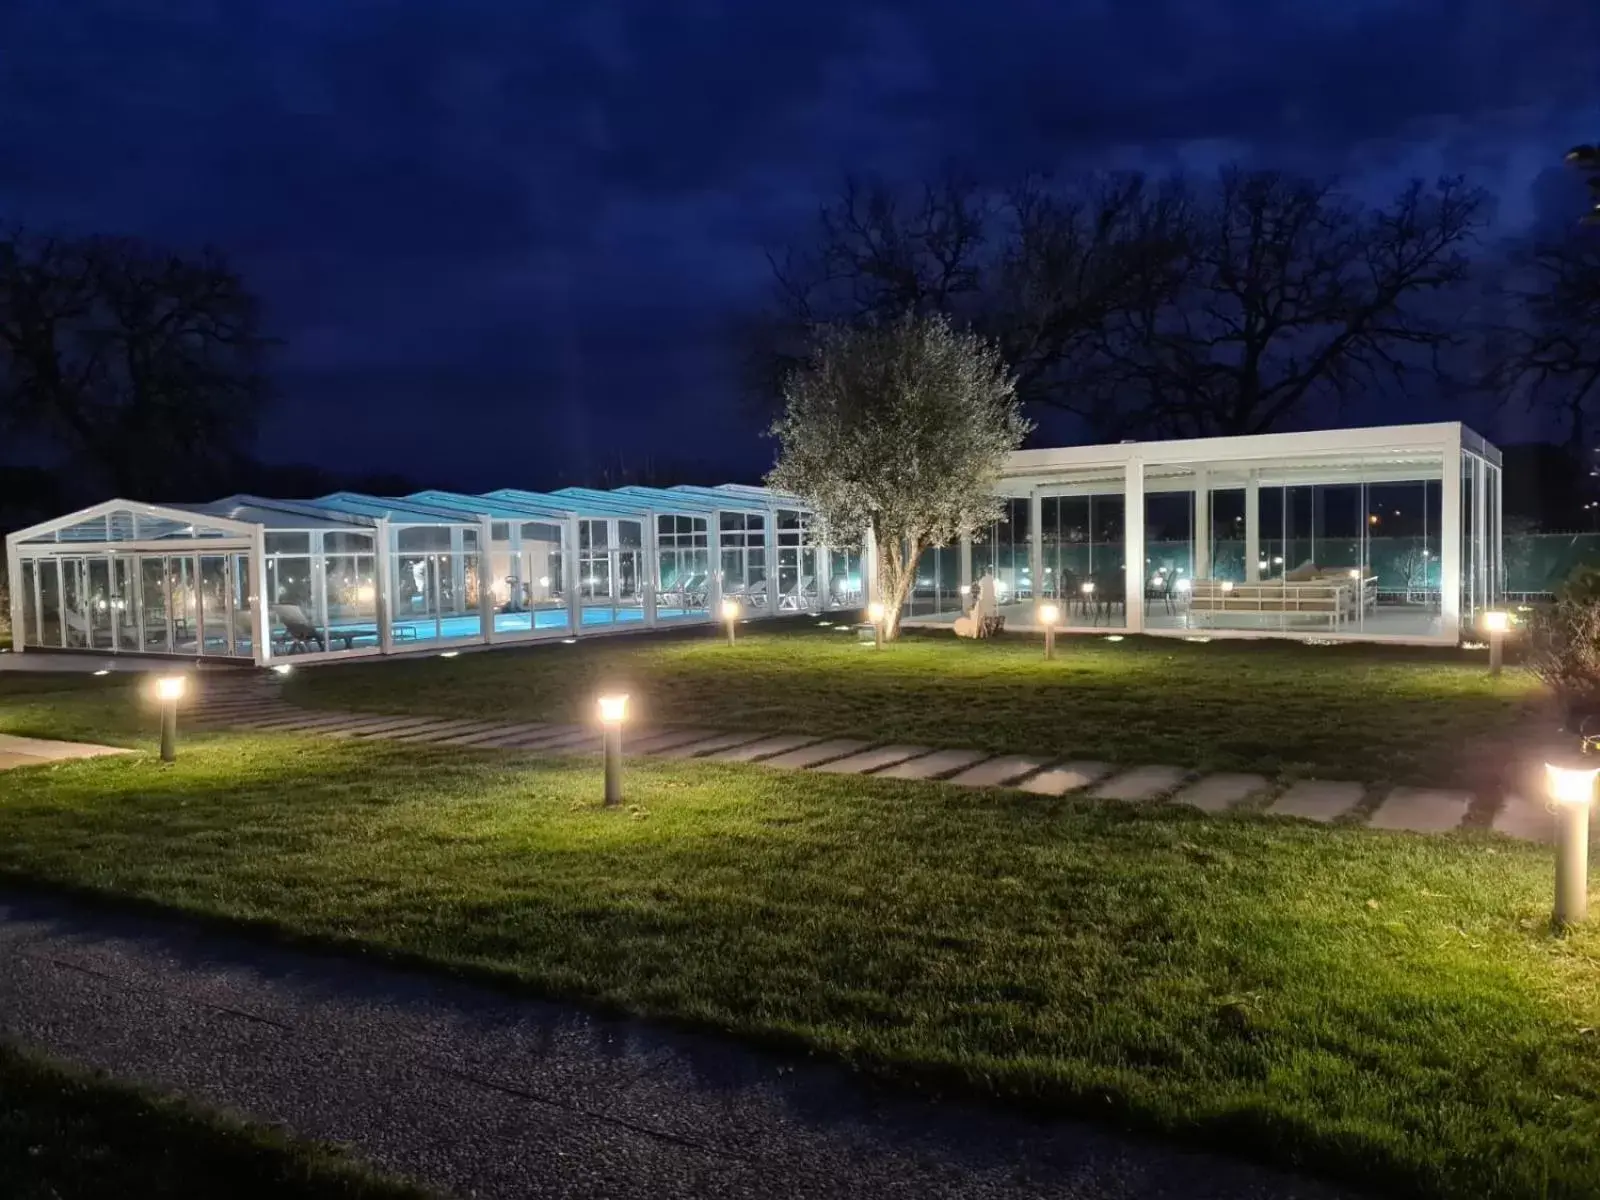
column 1423, row 452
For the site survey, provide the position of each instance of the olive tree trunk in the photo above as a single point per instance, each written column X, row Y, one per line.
column 897, row 573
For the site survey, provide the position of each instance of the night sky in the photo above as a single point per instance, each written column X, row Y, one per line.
column 504, row 239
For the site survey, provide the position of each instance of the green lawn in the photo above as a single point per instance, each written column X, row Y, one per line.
column 68, row 1135
column 1362, row 712
column 1390, row 1009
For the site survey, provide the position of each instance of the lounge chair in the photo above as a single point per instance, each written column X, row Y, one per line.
column 299, row 633
column 795, row 599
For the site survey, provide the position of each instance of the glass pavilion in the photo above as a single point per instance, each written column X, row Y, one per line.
column 248, row 578
column 1386, row 534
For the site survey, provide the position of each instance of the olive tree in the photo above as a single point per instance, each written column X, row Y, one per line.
column 899, row 429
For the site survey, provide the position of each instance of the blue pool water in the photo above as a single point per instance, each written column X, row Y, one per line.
column 553, row 620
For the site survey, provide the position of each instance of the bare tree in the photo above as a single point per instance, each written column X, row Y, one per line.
column 1294, row 297
column 1587, row 160
column 1549, row 350
column 141, row 365
column 1042, row 269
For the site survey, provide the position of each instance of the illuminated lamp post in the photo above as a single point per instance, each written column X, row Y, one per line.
column 169, row 690
column 1495, row 625
column 1572, row 789
column 1049, row 614
column 613, row 711
column 730, row 617
column 875, row 614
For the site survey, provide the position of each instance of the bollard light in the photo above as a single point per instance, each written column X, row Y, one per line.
column 169, row 690
column 613, row 711
column 1495, row 625
column 1049, row 614
column 730, row 617
column 1572, row 789
column 875, row 614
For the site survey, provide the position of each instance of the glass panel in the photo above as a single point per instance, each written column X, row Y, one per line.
column 416, row 604
column 215, row 596
column 183, row 584
column 49, row 602
column 683, row 559
column 74, row 620
column 423, row 537
column 291, row 604
column 844, row 578
column 102, row 616
column 125, row 602
column 350, row 584
column 467, row 621
column 153, row 604
column 28, row 635
column 533, row 600
column 288, row 543
column 1169, row 565
column 339, row 542
column 1088, row 573
column 243, row 607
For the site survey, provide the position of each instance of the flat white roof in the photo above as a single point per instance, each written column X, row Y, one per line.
column 1322, row 456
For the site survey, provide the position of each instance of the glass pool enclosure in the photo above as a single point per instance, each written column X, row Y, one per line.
column 347, row 574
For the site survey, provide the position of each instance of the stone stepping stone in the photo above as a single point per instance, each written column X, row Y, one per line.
column 383, row 731
column 1068, row 777
column 764, row 748
column 241, row 711
column 940, row 762
column 665, row 740
column 810, row 756
column 300, row 720
column 518, row 735
column 257, row 720
column 233, row 708
column 553, row 739
column 354, row 723
column 1218, row 793
column 872, row 760
column 721, row 741
column 585, row 741
column 1530, row 820
column 487, row 734
column 445, row 729
column 1141, row 783
column 1317, row 800
column 1422, row 810
column 998, row 771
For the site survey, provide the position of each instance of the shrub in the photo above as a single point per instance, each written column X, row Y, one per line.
column 1564, row 646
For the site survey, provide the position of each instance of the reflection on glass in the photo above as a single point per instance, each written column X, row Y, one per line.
column 153, row 604
column 74, row 603
column 30, row 604
column 50, row 602
column 100, row 604
column 183, row 587
column 243, row 607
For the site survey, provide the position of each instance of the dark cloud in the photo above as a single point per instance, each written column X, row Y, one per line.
column 492, row 206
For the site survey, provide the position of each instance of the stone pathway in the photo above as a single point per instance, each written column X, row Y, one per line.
column 255, row 703
column 33, row 752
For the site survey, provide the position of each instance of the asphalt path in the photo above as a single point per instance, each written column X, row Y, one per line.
column 485, row 1094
